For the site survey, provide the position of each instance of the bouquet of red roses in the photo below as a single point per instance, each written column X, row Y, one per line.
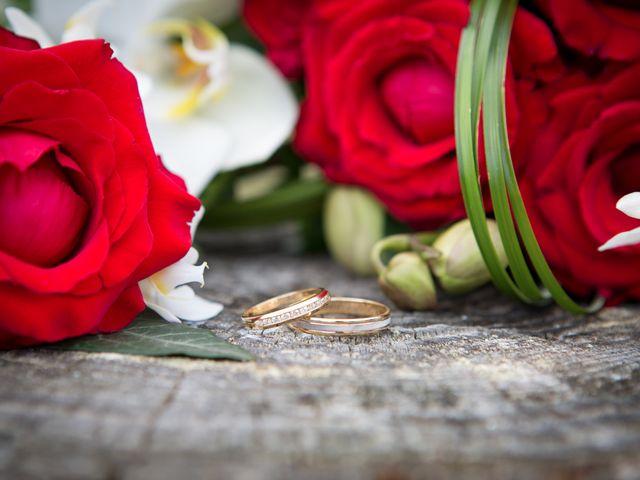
column 378, row 112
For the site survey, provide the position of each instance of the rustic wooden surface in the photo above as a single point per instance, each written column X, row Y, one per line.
column 481, row 388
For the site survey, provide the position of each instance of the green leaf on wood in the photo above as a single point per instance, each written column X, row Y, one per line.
column 151, row 336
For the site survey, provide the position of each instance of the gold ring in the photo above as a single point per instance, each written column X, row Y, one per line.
column 284, row 308
column 346, row 316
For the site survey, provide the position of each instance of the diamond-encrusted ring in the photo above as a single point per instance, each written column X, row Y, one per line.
column 346, row 316
column 285, row 308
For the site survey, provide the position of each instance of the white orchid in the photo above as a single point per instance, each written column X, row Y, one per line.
column 167, row 293
column 210, row 105
column 81, row 25
column 630, row 205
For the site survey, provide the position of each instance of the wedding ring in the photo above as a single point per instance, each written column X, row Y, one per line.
column 284, row 308
column 346, row 316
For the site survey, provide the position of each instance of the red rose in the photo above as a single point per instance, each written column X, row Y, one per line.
column 86, row 208
column 582, row 157
column 607, row 29
column 278, row 23
column 379, row 107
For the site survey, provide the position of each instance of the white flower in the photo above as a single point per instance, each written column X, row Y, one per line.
column 210, row 105
column 629, row 204
column 166, row 291
column 81, row 25
column 127, row 18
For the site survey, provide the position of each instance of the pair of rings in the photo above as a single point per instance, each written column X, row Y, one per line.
column 314, row 311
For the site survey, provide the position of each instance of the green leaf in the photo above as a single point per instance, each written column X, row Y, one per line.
column 152, row 336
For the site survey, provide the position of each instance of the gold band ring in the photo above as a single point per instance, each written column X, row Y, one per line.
column 346, row 316
column 284, row 308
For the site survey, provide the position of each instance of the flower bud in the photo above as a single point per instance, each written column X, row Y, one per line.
column 461, row 268
column 353, row 223
column 407, row 281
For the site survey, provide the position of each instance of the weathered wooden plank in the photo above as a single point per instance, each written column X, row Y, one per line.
column 480, row 388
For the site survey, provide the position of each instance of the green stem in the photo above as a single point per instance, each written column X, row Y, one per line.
column 294, row 201
column 219, row 187
column 418, row 242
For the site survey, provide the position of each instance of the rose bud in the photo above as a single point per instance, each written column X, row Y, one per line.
column 460, row 267
column 353, row 223
column 407, row 281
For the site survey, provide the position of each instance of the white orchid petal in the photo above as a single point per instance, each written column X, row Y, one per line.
column 623, row 239
column 194, row 225
column 259, row 109
column 215, row 55
column 78, row 32
column 164, row 313
column 186, row 305
column 162, row 97
column 128, row 19
column 145, row 83
column 54, row 14
column 191, row 147
column 125, row 19
column 178, row 274
column 165, row 291
column 83, row 23
column 150, row 293
column 630, row 205
column 179, row 304
column 214, row 90
column 191, row 257
column 23, row 25
column 245, row 125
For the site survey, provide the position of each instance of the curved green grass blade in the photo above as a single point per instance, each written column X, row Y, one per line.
column 473, row 52
column 494, row 126
column 482, row 60
column 501, row 167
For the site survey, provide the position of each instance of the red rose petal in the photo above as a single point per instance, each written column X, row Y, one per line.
column 419, row 96
column 41, row 214
column 11, row 40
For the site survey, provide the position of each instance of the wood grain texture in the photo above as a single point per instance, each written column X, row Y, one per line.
column 480, row 388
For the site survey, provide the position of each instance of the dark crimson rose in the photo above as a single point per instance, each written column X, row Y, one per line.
column 582, row 155
column 608, row 29
column 380, row 86
column 86, row 208
column 278, row 24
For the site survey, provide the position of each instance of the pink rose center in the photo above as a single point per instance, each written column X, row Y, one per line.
column 419, row 98
column 42, row 217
